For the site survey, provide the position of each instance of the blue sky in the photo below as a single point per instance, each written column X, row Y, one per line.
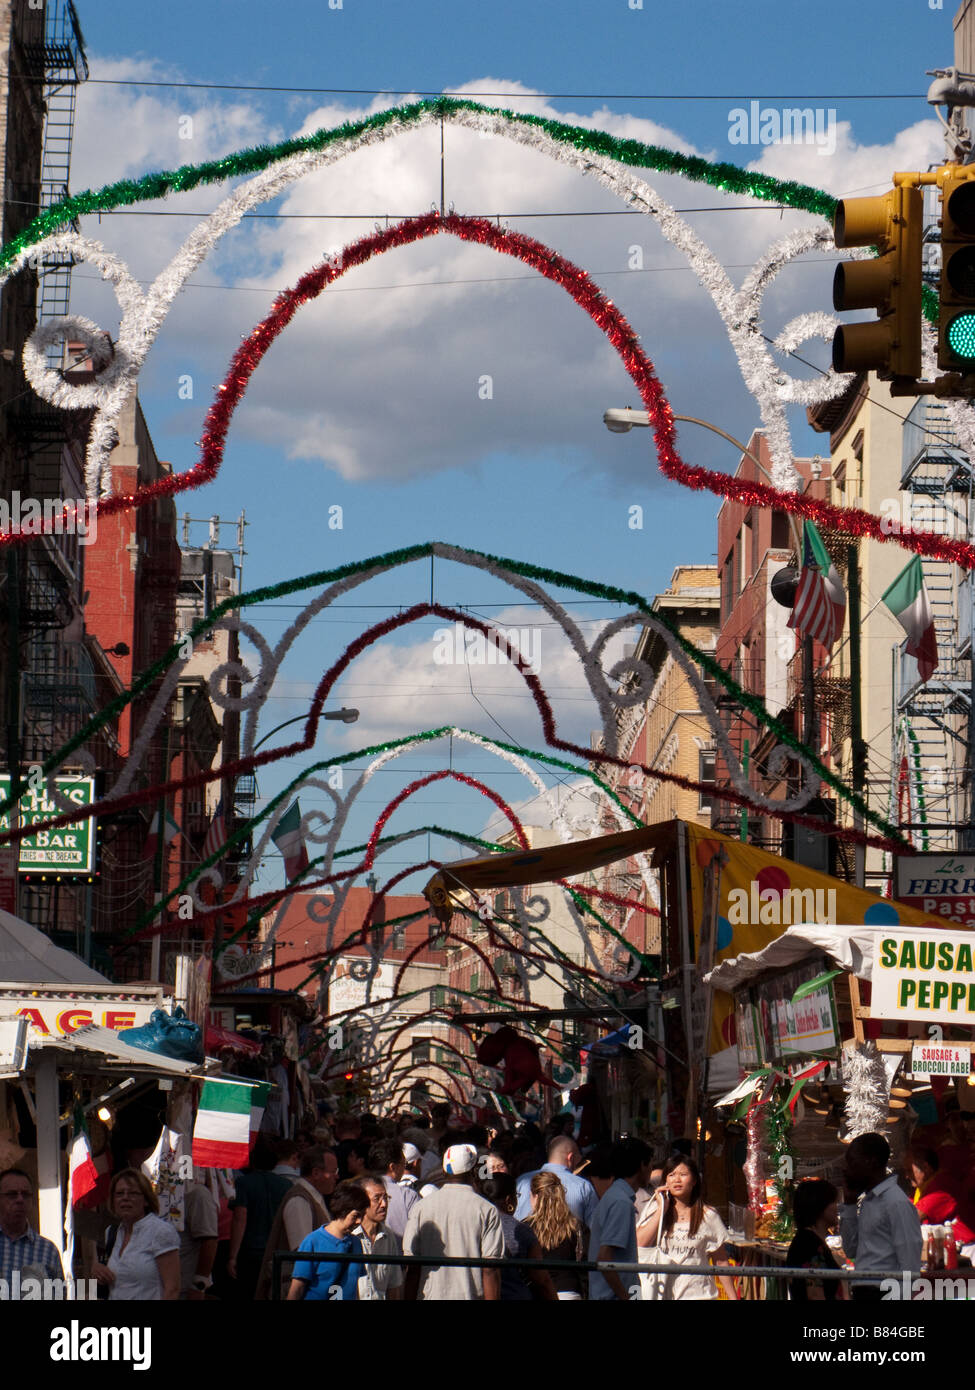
column 371, row 402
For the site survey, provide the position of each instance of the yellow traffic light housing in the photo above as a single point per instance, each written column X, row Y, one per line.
column 889, row 283
column 956, row 312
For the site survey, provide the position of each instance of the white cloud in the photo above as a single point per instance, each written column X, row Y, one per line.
column 425, row 683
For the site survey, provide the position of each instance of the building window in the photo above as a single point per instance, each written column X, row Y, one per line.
column 706, row 773
column 781, row 531
column 475, row 977
column 438, row 997
column 421, row 1051
column 726, row 599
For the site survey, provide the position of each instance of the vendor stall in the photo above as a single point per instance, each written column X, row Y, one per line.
column 842, row 1030
column 60, row 1026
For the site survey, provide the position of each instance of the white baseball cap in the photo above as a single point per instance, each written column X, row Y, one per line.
column 459, row 1158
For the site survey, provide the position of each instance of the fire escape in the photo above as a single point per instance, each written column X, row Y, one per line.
column 58, row 691
column 931, row 752
column 65, row 67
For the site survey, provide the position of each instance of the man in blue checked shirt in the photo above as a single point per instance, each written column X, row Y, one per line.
column 21, row 1248
column 563, row 1158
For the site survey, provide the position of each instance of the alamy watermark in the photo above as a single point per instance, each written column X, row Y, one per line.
column 26, row 1287
column 793, row 125
column 907, row 513
column 78, row 1343
column 460, row 646
column 768, row 907
column 60, row 516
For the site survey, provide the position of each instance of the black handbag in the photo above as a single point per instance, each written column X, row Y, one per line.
column 105, row 1249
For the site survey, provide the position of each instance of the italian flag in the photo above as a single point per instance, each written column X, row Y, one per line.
column 222, row 1133
column 169, row 831
column 908, row 600
column 287, row 836
column 83, row 1174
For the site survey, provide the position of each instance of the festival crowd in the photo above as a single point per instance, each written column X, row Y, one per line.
column 420, row 1186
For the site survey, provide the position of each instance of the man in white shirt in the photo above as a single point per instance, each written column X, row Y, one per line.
column 378, row 1281
column 456, row 1222
column 879, row 1225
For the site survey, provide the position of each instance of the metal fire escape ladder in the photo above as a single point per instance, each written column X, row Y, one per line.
column 65, row 67
column 937, row 478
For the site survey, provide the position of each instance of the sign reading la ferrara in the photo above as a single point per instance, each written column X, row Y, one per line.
column 68, row 850
column 924, row 975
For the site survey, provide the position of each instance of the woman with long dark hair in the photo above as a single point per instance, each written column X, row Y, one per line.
column 815, row 1211
column 678, row 1229
column 560, row 1236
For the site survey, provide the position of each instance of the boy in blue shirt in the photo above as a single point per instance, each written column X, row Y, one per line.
column 327, row 1279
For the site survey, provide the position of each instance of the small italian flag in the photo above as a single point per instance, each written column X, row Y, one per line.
column 222, row 1133
column 83, row 1174
column 907, row 599
column 287, row 836
column 169, row 829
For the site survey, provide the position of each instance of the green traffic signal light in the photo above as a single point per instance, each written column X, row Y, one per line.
column 961, row 336
column 956, row 314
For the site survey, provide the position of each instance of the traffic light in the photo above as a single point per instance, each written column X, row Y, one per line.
column 956, row 313
column 889, row 283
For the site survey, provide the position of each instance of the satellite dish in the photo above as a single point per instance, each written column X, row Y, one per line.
column 784, row 585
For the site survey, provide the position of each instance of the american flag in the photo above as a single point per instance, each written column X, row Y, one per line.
column 217, row 833
column 820, row 604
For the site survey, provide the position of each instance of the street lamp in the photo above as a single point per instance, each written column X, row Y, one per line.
column 622, row 421
column 347, row 716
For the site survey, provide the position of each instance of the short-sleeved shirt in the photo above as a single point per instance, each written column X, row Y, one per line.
column 679, row 1247
column 402, row 1200
column 518, row 1241
column 322, row 1276
column 376, row 1281
column 580, row 1195
column 613, row 1224
column 200, row 1217
column 31, row 1252
column 453, row 1221
column 810, row 1251
column 261, row 1194
column 135, row 1269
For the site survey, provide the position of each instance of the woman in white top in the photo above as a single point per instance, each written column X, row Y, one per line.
column 678, row 1229
column 144, row 1261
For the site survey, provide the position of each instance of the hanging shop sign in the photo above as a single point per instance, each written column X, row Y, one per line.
column 788, row 1015
column 940, row 1059
column 54, row 1014
column 925, row 975
column 942, row 885
column 67, row 851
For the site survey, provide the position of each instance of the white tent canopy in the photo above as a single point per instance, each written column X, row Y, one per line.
column 850, row 947
column 27, row 956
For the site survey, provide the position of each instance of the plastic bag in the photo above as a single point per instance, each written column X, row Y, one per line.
column 173, row 1035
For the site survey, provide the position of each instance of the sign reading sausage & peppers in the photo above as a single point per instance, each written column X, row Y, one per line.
column 924, row 975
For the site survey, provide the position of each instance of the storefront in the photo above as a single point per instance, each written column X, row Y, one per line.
column 841, row 1031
